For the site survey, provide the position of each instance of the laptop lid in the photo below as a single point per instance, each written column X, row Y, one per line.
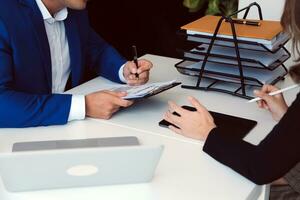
column 72, row 144
column 55, row 169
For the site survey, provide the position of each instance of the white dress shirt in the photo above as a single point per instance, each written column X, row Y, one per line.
column 60, row 58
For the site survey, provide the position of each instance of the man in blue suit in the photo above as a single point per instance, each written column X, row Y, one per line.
column 46, row 45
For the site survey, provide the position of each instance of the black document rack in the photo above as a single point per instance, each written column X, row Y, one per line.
column 240, row 82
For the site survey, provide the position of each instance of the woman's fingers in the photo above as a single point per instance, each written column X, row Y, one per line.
column 173, row 107
column 196, row 104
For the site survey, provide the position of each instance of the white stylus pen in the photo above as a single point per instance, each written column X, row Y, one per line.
column 276, row 92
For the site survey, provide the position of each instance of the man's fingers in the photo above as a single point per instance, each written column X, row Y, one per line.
column 132, row 77
column 114, row 110
column 137, row 75
column 144, row 75
column 116, row 99
column 116, row 94
column 122, row 103
column 141, row 77
column 138, row 81
column 144, row 65
column 132, row 67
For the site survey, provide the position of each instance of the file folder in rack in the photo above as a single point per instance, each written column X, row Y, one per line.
column 242, row 82
column 249, row 58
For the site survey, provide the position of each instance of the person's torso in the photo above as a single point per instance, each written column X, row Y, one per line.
column 29, row 45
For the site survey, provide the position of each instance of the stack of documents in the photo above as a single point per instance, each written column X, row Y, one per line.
column 260, row 48
column 283, row 38
column 249, row 58
column 228, row 73
column 269, row 33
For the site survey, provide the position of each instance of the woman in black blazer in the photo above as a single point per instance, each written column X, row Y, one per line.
column 279, row 152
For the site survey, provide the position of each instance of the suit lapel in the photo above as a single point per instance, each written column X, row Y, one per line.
column 37, row 21
column 72, row 33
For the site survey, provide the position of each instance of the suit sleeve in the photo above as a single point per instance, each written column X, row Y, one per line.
column 19, row 109
column 103, row 58
column 271, row 159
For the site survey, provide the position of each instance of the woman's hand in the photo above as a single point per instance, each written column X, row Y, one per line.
column 196, row 125
column 275, row 104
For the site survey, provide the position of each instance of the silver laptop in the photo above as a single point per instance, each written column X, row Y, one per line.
column 78, row 167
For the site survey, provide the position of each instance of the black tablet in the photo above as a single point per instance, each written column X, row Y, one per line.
column 235, row 127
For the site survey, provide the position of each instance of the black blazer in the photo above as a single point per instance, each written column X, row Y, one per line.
column 271, row 159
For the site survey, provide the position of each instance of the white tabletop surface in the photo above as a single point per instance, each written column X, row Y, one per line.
column 184, row 172
column 146, row 114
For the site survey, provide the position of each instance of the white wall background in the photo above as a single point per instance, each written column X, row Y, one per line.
column 271, row 10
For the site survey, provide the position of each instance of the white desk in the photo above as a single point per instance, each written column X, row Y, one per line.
column 144, row 116
column 184, row 172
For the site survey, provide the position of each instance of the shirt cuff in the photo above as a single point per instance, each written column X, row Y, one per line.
column 121, row 75
column 77, row 110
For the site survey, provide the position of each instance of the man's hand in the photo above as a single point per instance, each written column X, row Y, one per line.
column 104, row 104
column 142, row 71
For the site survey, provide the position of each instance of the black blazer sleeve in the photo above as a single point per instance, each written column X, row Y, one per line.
column 266, row 162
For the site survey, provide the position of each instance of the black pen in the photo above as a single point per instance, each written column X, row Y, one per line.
column 246, row 22
column 135, row 59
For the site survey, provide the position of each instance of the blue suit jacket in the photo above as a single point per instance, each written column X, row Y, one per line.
column 25, row 64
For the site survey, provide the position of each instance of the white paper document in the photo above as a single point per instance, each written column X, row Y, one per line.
column 262, row 41
column 135, row 92
column 214, row 70
column 264, row 57
column 281, row 39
